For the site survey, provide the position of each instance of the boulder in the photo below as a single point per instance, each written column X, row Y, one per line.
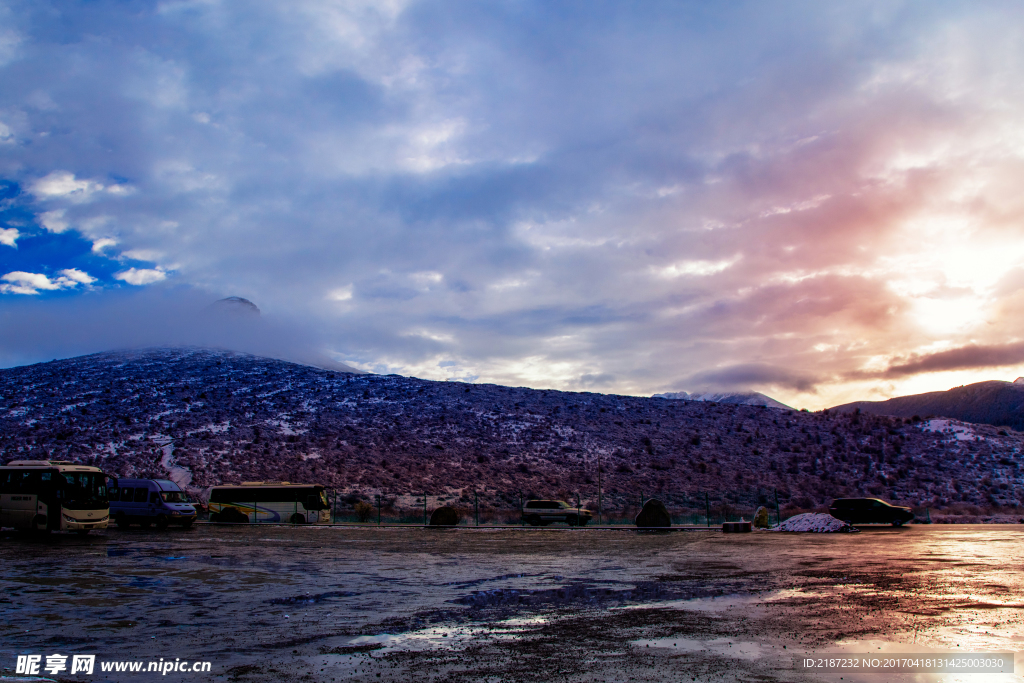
column 761, row 518
column 654, row 515
column 445, row 516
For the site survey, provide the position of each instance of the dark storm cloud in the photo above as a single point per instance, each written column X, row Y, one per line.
column 572, row 195
column 751, row 374
column 973, row 356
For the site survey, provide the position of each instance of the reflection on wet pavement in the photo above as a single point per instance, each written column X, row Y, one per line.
column 410, row 604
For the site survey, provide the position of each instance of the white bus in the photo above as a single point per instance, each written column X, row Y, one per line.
column 258, row 501
column 53, row 495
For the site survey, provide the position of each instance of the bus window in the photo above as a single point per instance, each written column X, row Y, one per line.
column 173, row 497
column 127, row 494
column 140, row 494
column 82, row 490
column 154, row 497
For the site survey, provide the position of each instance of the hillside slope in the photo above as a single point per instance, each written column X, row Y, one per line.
column 995, row 403
column 229, row 417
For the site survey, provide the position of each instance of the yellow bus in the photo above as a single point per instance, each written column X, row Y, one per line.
column 53, row 495
column 257, row 501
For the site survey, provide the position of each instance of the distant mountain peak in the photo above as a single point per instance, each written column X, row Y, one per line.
column 749, row 398
column 237, row 305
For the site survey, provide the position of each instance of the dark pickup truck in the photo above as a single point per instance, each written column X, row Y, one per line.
column 869, row 511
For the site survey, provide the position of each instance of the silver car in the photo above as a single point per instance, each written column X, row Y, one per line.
column 544, row 512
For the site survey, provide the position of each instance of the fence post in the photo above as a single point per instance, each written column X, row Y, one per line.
column 778, row 515
column 334, row 510
column 255, row 511
column 378, row 509
column 577, row 509
column 476, row 506
column 707, row 509
column 522, row 518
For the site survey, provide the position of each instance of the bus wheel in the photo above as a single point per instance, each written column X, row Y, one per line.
column 39, row 525
column 571, row 520
column 122, row 521
column 533, row 520
column 82, row 532
column 297, row 519
column 897, row 522
column 187, row 524
column 145, row 523
column 161, row 522
column 214, row 517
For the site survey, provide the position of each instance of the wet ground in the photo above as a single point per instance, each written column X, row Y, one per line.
column 340, row 604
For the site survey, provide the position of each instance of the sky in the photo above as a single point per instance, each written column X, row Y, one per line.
column 819, row 201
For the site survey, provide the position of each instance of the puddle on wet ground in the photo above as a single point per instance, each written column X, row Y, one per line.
column 353, row 655
column 723, row 647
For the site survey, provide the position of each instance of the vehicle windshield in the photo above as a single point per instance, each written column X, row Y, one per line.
column 174, row 497
column 82, row 490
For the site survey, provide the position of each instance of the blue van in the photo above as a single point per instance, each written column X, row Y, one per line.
column 149, row 501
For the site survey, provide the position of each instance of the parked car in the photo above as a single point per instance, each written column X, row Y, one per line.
column 544, row 512
column 149, row 501
column 869, row 511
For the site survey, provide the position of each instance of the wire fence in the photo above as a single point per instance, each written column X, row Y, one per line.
column 506, row 508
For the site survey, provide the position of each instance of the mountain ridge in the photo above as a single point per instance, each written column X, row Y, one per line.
column 993, row 402
column 226, row 417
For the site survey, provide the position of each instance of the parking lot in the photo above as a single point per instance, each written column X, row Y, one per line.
column 323, row 604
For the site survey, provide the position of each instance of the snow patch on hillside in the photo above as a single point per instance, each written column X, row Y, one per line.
column 958, row 430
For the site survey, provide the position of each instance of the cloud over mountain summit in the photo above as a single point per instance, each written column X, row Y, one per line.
column 633, row 198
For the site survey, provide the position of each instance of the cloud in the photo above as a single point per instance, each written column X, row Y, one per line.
column 141, row 276
column 19, row 282
column 965, row 357
column 64, row 185
column 102, row 243
column 697, row 268
column 102, row 320
column 340, row 294
column 747, row 375
column 9, row 237
column 54, row 221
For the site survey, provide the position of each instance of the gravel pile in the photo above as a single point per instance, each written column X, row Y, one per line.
column 816, row 522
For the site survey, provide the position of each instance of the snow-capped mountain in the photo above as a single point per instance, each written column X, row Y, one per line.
column 749, row 398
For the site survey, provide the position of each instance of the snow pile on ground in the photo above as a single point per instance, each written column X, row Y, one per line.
column 816, row 522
